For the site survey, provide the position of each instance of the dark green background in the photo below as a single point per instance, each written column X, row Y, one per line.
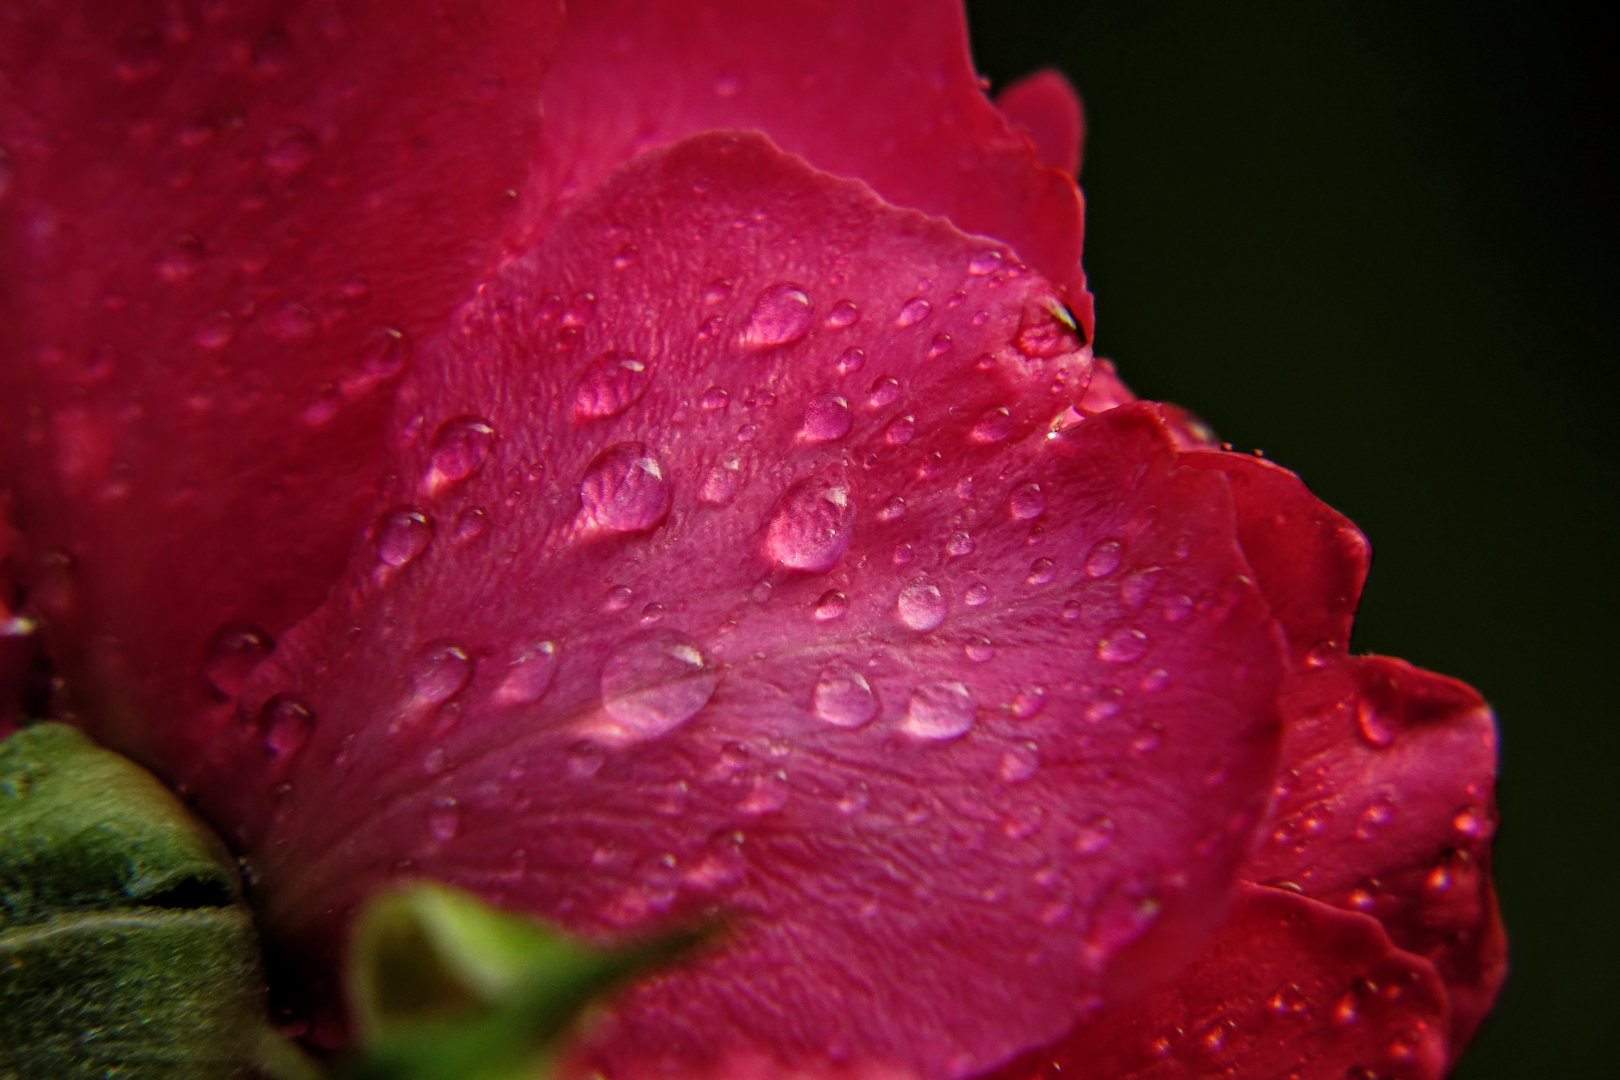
column 1377, row 239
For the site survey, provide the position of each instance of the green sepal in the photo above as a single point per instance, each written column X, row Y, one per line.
column 125, row 949
column 446, row 987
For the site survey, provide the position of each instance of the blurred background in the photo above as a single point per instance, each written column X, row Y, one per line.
column 1377, row 239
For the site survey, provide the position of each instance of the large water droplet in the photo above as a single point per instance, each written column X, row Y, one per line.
column 611, row 384
column 811, row 525
column 401, row 535
column 285, row 724
column 235, row 650
column 530, row 673
column 439, row 671
column 1027, row 501
column 656, row 681
column 827, row 417
column 1104, row 558
column 1124, row 647
column 460, row 446
column 940, row 710
column 843, row 697
column 781, row 316
column 624, row 489
column 921, row 606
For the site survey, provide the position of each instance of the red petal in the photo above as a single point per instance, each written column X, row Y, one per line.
column 1288, row 988
column 1386, row 806
column 814, row 626
column 1044, row 106
column 17, row 635
column 223, row 234
column 1311, row 561
column 885, row 93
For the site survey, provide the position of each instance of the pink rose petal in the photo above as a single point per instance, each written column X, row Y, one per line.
column 1044, row 106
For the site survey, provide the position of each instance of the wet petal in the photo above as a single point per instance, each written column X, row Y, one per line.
column 235, row 226
column 996, row 780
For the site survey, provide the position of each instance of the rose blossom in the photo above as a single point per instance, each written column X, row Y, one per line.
column 693, row 500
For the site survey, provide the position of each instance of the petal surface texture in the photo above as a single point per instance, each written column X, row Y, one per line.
column 884, row 93
column 746, row 579
column 235, row 225
column 1044, row 106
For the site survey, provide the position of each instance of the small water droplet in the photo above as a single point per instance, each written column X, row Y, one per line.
column 831, row 605
column 656, row 681
column 1096, row 834
column 459, row 448
column 234, row 651
column 1019, row 762
column 851, row 360
column 618, row 599
column 768, row 794
column 940, row 710
column 1103, row 559
column 714, row 398
column 985, row 262
column 912, row 312
column 1023, row 821
column 921, row 606
column 625, row 489
column 959, row 545
column 811, row 526
column 1289, row 1000
column 285, row 723
column 979, row 650
column 977, row 595
column 720, row 485
column 1378, row 813
column 585, row 759
column 1041, row 572
column 530, row 673
column 1376, row 727
column 1046, row 330
column 470, row 524
column 901, row 430
column 1027, row 502
column 827, row 416
column 885, row 391
column 780, row 316
column 439, row 672
column 1028, row 702
column 1123, row 648
column 444, row 820
column 993, row 427
column 401, row 535
column 1155, row 680
column 844, row 313
column 611, row 384
column 893, row 509
column 903, row 554
column 1072, row 610
column 1470, row 822
column 939, row 346
column 289, row 149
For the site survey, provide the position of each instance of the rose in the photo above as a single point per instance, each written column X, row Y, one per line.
column 1002, row 753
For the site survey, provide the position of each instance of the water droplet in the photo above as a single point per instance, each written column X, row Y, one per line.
column 885, row 391
column 1378, row 813
column 470, row 524
column 781, row 316
column 993, row 427
column 1028, row 702
column 1376, row 727
column 893, row 509
column 439, row 671
column 234, row 651
column 624, row 489
column 401, row 535
column 1103, row 559
column 921, row 606
column 1046, row 330
column 769, row 793
column 714, row 398
column 1072, row 610
column 977, row 595
column 1023, row 821
column 939, row 346
column 1027, row 502
column 827, row 416
column 444, row 820
column 1123, row 648
column 831, row 605
column 959, row 545
column 912, row 312
column 459, row 448
column 811, row 526
column 289, row 150
column 985, row 262
column 1096, row 834
column 940, row 710
column 611, row 384
column 617, row 599
column 529, row 675
column 844, row 313
column 1470, row 822
column 1289, row 1000
column 979, row 650
column 903, row 554
column 1155, row 680
column 901, row 430
column 656, row 681
column 1041, row 572
column 851, row 360
column 285, row 723
column 1019, row 762
column 585, row 759
column 720, row 485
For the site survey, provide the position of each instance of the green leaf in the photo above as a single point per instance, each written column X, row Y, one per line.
column 125, row 949
column 446, row 987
